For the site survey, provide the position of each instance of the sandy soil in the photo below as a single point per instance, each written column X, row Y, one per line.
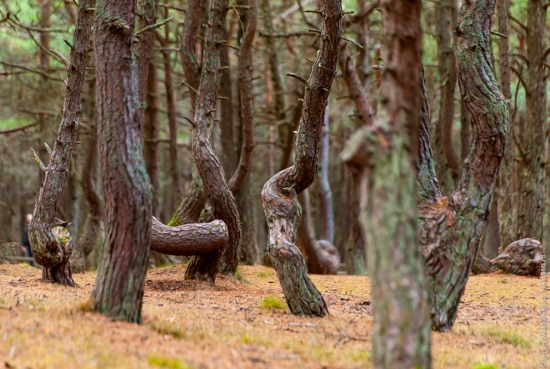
column 199, row 325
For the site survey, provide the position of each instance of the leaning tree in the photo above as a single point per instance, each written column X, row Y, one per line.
column 279, row 195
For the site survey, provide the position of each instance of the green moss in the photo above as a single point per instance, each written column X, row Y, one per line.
column 272, row 303
column 485, row 366
column 164, row 362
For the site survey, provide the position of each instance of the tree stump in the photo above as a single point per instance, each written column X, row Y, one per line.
column 522, row 257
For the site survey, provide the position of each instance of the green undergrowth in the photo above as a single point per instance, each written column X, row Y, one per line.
column 273, row 303
column 163, row 362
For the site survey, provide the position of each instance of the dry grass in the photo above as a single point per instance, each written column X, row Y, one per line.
column 198, row 325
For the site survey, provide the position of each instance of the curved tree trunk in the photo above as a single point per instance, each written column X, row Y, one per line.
column 457, row 223
column 119, row 286
column 223, row 203
column 279, row 193
column 49, row 250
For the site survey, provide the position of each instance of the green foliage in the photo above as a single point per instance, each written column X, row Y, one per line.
column 272, row 303
column 164, row 362
column 263, row 274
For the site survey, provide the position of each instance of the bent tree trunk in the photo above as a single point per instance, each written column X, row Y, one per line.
column 223, row 203
column 119, row 286
column 51, row 250
column 452, row 227
column 279, row 195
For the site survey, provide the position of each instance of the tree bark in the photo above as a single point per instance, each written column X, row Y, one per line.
column 325, row 194
column 457, row 222
column 119, row 286
column 531, row 178
column 522, row 257
column 208, row 165
column 151, row 135
column 447, row 167
column 279, row 193
column 401, row 331
column 193, row 202
column 49, row 250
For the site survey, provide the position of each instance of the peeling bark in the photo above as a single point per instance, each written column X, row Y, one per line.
column 279, row 193
column 51, row 250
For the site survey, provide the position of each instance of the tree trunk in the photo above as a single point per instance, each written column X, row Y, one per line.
column 325, row 194
column 531, row 179
column 321, row 256
column 119, row 286
column 49, row 250
column 151, row 136
column 208, row 165
column 457, row 222
column 447, row 163
column 522, row 257
column 279, row 193
column 193, row 202
column 401, row 331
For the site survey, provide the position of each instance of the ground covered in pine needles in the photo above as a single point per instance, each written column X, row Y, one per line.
column 244, row 323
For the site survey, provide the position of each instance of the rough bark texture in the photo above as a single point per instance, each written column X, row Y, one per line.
column 523, row 257
column 401, row 330
column 483, row 265
column 119, row 286
column 452, row 226
column 531, row 170
column 240, row 181
column 281, row 208
column 188, row 239
column 321, row 256
column 208, row 165
column 447, row 167
column 193, row 202
column 49, row 250
column 507, row 203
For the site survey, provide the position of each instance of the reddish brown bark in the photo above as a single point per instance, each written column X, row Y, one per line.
column 208, row 165
column 151, row 135
column 119, row 286
column 51, row 251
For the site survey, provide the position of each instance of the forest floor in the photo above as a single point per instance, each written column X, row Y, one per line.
column 229, row 324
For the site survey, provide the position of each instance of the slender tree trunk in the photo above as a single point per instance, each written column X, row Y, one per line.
column 52, row 247
column 193, row 202
column 447, row 167
column 325, row 194
column 279, row 193
column 119, row 286
column 151, row 136
column 208, row 165
column 45, row 7
column 531, row 180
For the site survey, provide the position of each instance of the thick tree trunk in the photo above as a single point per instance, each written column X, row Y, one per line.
column 401, row 331
column 457, row 222
column 208, row 165
column 49, row 250
column 279, row 193
column 447, row 167
column 119, row 286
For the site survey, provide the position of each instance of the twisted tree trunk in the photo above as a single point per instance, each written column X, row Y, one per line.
column 208, row 165
column 51, row 247
column 279, row 193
